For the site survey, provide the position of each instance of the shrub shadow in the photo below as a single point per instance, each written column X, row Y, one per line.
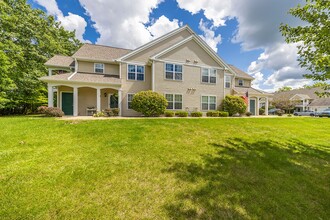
column 248, row 180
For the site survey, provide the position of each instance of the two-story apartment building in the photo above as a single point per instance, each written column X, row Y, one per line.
column 179, row 65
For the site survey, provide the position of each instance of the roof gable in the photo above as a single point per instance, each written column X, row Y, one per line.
column 143, row 53
column 206, row 48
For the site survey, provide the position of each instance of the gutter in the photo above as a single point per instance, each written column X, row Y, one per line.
column 75, row 69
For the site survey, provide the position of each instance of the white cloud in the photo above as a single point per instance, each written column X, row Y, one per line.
column 122, row 23
column 162, row 26
column 209, row 35
column 71, row 22
column 215, row 10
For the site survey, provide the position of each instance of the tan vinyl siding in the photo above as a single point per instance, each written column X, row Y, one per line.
column 144, row 55
column 190, row 51
column 191, row 80
column 130, row 86
column 88, row 67
column 246, row 82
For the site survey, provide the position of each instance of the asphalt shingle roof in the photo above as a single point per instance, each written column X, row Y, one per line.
column 240, row 73
column 100, row 52
column 60, row 61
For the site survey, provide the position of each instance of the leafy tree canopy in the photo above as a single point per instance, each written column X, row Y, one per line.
column 313, row 39
column 28, row 38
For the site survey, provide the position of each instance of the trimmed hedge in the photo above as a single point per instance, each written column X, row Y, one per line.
column 212, row 114
column 223, row 114
column 50, row 111
column 181, row 114
column 168, row 113
column 196, row 114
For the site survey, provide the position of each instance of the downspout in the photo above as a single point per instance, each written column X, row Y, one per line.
column 75, row 69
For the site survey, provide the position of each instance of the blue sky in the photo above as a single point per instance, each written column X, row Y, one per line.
column 244, row 33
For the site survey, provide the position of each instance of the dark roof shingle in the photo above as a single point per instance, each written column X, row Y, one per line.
column 100, row 52
column 60, row 61
column 240, row 73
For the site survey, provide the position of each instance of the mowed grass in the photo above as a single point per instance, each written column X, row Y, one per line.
column 225, row 168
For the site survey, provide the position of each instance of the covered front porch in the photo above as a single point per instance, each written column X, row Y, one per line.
column 255, row 99
column 83, row 100
column 82, row 94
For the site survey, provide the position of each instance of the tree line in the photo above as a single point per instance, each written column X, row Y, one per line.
column 28, row 38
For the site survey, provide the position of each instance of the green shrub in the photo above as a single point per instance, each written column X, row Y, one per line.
column 50, row 111
column 168, row 113
column 261, row 111
column 212, row 114
column 234, row 104
column 108, row 112
column 248, row 114
column 99, row 114
column 196, row 114
column 149, row 103
column 279, row 112
column 181, row 114
column 115, row 111
column 223, row 114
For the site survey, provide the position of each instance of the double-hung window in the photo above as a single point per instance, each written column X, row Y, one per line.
column 98, row 67
column 241, row 82
column 173, row 71
column 227, row 81
column 209, row 103
column 129, row 100
column 135, row 72
column 209, row 75
column 174, row 101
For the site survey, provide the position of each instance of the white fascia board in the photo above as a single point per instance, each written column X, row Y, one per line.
column 153, row 42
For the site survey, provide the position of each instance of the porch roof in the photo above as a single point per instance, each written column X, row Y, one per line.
column 83, row 78
column 251, row 91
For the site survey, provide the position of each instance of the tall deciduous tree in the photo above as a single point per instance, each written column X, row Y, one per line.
column 314, row 40
column 28, row 38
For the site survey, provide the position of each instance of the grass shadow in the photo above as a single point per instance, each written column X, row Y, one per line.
column 248, row 180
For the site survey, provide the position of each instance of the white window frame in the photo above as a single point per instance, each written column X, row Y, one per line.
column 173, row 78
column 225, row 81
column 173, row 94
column 129, row 101
column 240, row 81
column 209, row 75
column 103, row 67
column 208, row 102
column 136, row 73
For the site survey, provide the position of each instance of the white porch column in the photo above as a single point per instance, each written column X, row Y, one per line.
column 75, row 101
column 119, row 100
column 50, row 96
column 98, row 99
column 50, row 72
column 266, row 106
column 257, row 106
column 303, row 105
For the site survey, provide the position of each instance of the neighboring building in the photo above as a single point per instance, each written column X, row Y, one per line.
column 179, row 65
column 306, row 99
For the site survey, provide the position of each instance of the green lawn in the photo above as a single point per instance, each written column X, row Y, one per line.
column 241, row 168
